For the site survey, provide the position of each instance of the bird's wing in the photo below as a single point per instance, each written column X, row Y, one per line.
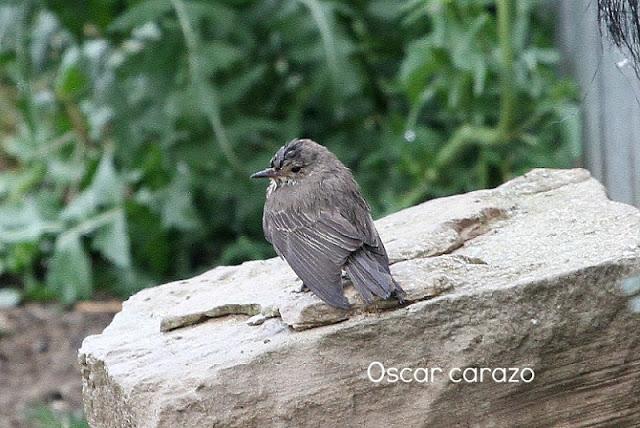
column 267, row 227
column 316, row 247
column 363, row 224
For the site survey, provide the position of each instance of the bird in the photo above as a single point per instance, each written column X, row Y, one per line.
column 318, row 221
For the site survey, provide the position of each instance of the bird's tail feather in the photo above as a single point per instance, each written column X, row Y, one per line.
column 371, row 277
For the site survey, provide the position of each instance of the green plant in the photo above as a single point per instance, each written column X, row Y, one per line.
column 489, row 90
column 129, row 128
column 43, row 417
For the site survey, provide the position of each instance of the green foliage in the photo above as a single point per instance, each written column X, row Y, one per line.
column 129, row 128
column 43, row 417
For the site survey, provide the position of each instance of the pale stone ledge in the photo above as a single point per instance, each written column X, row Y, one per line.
column 524, row 275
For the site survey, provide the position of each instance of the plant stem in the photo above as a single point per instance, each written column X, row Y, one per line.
column 467, row 135
column 203, row 86
column 326, row 34
column 91, row 224
column 507, row 96
column 22, row 62
column 77, row 122
column 464, row 137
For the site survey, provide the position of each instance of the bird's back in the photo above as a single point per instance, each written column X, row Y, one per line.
column 321, row 224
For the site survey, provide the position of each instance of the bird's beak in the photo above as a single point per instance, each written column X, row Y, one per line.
column 266, row 173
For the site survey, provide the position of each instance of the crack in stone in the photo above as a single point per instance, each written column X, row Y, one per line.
column 471, row 228
column 466, row 229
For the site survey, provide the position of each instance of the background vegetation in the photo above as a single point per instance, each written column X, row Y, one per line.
column 128, row 129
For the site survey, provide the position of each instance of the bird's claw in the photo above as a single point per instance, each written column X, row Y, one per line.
column 302, row 289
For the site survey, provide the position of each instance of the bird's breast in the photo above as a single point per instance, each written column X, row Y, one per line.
column 286, row 195
column 272, row 186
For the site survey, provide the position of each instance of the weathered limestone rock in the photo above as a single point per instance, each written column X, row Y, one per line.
column 524, row 275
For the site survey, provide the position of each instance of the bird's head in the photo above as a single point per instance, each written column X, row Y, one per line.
column 295, row 161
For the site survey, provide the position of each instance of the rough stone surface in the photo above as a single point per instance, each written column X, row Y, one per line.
column 524, row 275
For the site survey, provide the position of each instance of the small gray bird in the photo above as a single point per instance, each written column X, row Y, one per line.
column 317, row 220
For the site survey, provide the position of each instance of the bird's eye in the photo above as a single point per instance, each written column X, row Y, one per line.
column 295, row 169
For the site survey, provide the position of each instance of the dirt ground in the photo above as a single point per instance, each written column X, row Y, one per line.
column 38, row 357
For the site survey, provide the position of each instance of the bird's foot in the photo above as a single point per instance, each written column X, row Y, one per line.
column 302, row 289
column 400, row 296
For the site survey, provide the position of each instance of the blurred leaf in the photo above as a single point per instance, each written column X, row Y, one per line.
column 236, row 89
column 42, row 416
column 141, row 13
column 571, row 123
column 243, row 249
column 23, row 222
column 222, row 16
column 112, row 240
column 106, row 189
column 71, row 81
column 467, row 54
column 45, row 28
column 418, row 67
column 106, row 184
column 387, row 9
column 69, row 273
column 218, row 55
column 178, row 211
